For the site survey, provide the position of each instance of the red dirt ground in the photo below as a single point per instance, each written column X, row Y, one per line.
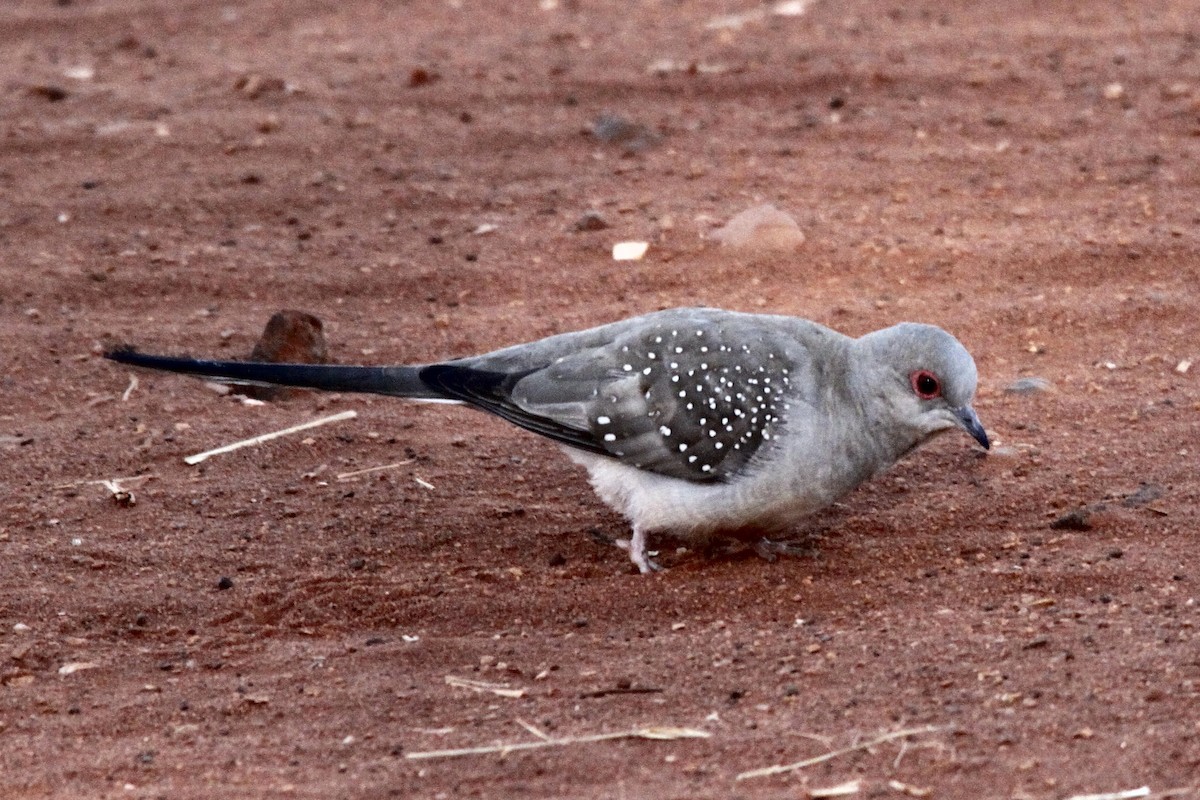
column 171, row 173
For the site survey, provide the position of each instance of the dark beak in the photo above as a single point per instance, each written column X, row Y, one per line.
column 971, row 424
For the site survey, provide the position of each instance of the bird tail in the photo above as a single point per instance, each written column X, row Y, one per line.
column 398, row 381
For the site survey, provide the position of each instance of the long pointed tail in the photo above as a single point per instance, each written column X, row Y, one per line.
column 401, row 381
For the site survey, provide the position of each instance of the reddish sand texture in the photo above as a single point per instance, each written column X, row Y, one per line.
column 1024, row 174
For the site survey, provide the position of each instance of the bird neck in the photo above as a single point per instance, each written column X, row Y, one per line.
column 881, row 412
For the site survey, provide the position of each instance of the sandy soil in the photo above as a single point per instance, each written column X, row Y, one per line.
column 171, row 173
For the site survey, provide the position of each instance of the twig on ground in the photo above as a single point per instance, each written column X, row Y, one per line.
column 808, row 762
column 129, row 390
column 120, row 495
column 535, row 730
column 266, row 437
column 824, row 741
column 504, row 749
column 345, row 476
column 841, row 790
column 479, row 686
column 1142, row 792
column 104, row 481
column 1128, row 794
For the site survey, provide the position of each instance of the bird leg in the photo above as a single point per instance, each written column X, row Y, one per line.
column 636, row 547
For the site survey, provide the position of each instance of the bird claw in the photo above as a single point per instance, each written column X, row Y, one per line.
column 644, row 563
column 636, row 547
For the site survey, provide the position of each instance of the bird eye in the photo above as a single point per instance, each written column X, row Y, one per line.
column 926, row 384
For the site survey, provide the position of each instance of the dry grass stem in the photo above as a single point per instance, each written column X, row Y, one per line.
column 105, row 482
column 346, row 476
column 479, row 686
column 120, row 495
column 841, row 790
column 779, row 769
column 266, row 437
column 658, row 733
column 1128, row 794
column 535, row 730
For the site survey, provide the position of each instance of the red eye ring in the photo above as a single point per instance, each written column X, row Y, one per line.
column 925, row 384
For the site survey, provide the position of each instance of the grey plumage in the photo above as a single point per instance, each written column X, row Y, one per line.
column 692, row 421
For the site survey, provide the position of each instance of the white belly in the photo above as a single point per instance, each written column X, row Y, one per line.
column 691, row 511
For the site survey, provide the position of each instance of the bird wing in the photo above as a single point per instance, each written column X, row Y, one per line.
column 492, row 391
column 692, row 396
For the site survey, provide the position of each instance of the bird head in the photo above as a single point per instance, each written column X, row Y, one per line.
column 928, row 378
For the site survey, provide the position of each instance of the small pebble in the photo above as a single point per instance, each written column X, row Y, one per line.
column 421, row 77
column 1030, row 385
column 225, row 583
column 763, row 227
column 632, row 137
column 1146, row 493
column 75, row 666
column 1076, row 520
column 48, row 92
column 254, row 86
column 295, row 337
column 629, row 251
column 591, row 220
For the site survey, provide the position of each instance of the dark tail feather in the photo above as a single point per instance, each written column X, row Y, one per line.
column 397, row 381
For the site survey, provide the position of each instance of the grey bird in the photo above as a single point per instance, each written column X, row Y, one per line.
column 691, row 422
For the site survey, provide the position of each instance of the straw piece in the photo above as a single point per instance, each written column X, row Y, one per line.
column 266, row 437
column 660, row 733
column 808, row 762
